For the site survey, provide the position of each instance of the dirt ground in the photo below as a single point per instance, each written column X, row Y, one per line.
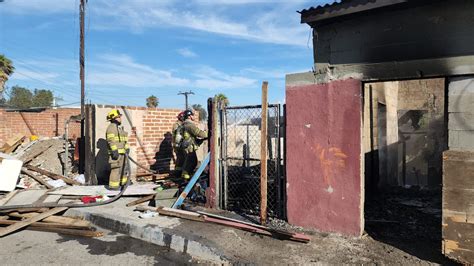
column 403, row 226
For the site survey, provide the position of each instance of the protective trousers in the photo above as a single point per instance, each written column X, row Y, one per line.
column 180, row 157
column 190, row 163
column 116, row 178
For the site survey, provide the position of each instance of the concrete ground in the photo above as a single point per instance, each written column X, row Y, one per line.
column 211, row 242
column 42, row 248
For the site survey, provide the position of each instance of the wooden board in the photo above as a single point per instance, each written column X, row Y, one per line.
column 7, row 197
column 28, row 196
column 132, row 190
column 458, row 205
column 12, row 228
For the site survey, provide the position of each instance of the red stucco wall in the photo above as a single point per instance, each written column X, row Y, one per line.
column 323, row 156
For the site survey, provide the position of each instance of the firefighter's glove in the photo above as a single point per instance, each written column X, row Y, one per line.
column 115, row 155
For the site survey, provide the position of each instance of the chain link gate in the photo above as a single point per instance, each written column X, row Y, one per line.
column 240, row 168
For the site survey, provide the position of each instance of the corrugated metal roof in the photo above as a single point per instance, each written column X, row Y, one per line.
column 343, row 7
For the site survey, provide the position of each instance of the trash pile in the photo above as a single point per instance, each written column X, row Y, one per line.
column 34, row 191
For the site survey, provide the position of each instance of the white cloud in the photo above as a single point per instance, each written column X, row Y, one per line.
column 122, row 70
column 39, row 6
column 262, row 21
column 25, row 74
column 186, row 52
column 213, row 79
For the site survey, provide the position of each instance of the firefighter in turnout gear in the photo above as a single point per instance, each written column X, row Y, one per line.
column 192, row 138
column 176, row 142
column 117, row 139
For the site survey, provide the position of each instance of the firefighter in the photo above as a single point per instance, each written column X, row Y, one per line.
column 117, row 139
column 176, row 142
column 192, row 138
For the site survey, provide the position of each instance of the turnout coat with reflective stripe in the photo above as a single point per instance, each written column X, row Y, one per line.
column 117, row 138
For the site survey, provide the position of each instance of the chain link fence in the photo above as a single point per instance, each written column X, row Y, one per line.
column 241, row 150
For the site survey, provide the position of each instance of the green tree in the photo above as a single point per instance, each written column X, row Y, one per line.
column 20, row 97
column 222, row 99
column 6, row 70
column 202, row 112
column 152, row 101
column 43, row 98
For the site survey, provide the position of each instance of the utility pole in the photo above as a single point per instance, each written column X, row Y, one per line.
column 82, row 146
column 186, row 93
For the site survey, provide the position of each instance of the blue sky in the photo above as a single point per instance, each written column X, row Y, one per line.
column 142, row 47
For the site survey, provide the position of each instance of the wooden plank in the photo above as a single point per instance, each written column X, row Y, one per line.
column 53, row 175
column 173, row 213
column 279, row 233
column 28, row 196
column 10, row 195
column 22, row 210
column 180, row 214
column 36, row 218
column 49, row 225
column 73, row 232
column 138, row 201
column 458, row 240
column 458, row 199
column 54, row 219
column 31, row 157
column 263, row 155
column 37, row 178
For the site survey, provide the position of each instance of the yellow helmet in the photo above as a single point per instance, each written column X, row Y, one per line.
column 114, row 114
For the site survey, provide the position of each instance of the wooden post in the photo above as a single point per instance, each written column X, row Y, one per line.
column 216, row 153
column 263, row 156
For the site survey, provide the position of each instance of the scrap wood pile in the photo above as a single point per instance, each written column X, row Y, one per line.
column 37, row 164
column 31, row 179
column 39, row 219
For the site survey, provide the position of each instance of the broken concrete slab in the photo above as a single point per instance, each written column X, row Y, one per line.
column 28, row 196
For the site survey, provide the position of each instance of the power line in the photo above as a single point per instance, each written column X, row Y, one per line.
column 186, row 93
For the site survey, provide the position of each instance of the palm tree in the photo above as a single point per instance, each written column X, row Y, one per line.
column 220, row 97
column 6, row 69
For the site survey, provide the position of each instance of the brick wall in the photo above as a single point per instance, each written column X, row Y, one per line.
column 48, row 123
column 150, row 134
column 155, row 150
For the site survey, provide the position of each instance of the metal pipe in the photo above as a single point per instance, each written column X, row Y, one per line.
column 66, row 147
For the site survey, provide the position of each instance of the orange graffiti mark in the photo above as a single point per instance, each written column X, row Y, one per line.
column 331, row 161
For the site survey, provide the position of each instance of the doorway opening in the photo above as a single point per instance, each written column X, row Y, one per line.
column 405, row 134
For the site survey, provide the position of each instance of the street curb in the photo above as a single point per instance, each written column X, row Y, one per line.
column 171, row 239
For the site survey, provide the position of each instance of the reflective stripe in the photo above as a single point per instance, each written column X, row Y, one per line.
column 114, row 184
column 124, row 180
column 121, row 151
column 126, row 146
column 113, row 147
column 112, row 135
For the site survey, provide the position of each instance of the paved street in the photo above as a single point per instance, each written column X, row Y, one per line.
column 41, row 248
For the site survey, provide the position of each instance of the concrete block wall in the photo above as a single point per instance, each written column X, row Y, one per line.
column 461, row 113
column 47, row 123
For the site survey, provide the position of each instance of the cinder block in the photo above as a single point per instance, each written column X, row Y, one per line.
column 453, row 140
column 466, row 139
column 461, row 103
column 461, row 86
column 461, row 121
